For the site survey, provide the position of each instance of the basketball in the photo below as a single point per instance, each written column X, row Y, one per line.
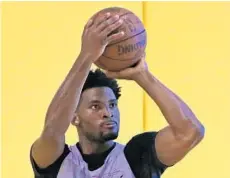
column 126, row 51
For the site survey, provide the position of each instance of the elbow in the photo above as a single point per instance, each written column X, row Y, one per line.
column 200, row 132
column 196, row 133
column 192, row 132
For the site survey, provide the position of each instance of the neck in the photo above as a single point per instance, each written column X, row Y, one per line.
column 92, row 147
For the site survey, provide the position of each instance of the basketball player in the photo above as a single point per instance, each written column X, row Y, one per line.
column 88, row 99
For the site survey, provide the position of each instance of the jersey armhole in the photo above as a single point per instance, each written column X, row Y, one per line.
column 140, row 151
column 52, row 170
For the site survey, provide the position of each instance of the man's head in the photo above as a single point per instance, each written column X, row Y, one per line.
column 97, row 115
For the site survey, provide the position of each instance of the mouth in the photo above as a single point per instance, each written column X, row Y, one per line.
column 109, row 125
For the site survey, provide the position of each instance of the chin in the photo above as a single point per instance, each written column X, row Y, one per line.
column 110, row 136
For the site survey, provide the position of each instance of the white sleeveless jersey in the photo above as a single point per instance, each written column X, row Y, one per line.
column 115, row 165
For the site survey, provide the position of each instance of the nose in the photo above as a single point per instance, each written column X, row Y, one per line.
column 107, row 113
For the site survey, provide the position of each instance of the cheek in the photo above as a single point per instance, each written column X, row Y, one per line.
column 91, row 120
column 116, row 113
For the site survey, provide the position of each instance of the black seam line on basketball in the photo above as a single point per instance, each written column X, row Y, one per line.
column 118, row 59
column 127, row 38
column 100, row 63
column 125, row 14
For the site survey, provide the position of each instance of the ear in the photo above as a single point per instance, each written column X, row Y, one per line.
column 75, row 121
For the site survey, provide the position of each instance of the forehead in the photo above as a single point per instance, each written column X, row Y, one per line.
column 98, row 93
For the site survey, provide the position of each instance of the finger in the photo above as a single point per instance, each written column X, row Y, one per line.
column 89, row 24
column 115, row 37
column 107, row 23
column 102, row 19
column 112, row 27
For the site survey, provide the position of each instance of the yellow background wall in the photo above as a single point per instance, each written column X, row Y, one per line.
column 188, row 49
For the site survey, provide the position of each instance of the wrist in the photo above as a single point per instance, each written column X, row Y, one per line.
column 142, row 77
column 87, row 57
column 84, row 61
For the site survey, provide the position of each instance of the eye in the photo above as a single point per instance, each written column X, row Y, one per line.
column 112, row 105
column 95, row 107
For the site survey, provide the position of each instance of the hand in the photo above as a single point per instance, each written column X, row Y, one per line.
column 131, row 73
column 95, row 36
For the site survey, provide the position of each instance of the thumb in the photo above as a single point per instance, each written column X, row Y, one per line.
column 111, row 74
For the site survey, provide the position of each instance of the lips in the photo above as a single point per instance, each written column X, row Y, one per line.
column 110, row 124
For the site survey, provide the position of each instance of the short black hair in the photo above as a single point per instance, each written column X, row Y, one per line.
column 97, row 78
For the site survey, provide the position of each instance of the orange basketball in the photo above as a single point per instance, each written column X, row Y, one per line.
column 126, row 51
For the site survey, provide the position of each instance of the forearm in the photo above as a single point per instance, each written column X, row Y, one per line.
column 63, row 105
column 179, row 116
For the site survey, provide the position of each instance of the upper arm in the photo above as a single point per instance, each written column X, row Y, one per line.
column 170, row 149
column 47, row 148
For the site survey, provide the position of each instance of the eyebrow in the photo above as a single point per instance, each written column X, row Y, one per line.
column 98, row 101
